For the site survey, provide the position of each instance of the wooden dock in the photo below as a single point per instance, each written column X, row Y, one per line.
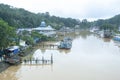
column 39, row 61
column 49, row 46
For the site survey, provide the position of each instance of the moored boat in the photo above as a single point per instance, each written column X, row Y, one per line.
column 116, row 38
column 66, row 43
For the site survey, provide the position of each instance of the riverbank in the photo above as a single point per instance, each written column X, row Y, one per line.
column 3, row 66
column 26, row 51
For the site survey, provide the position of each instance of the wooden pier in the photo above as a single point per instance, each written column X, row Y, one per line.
column 51, row 46
column 39, row 61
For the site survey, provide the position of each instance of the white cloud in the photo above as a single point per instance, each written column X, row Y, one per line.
column 90, row 9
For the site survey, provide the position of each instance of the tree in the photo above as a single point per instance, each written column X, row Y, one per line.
column 35, row 34
column 42, row 37
column 85, row 24
column 107, row 27
column 28, row 39
column 7, row 34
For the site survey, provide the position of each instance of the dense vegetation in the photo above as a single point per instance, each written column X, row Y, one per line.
column 7, row 34
column 20, row 18
column 113, row 22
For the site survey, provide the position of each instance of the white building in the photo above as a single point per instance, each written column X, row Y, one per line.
column 45, row 30
column 42, row 29
column 23, row 29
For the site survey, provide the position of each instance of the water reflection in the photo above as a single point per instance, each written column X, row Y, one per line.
column 84, row 34
column 43, row 50
column 60, row 50
column 117, row 43
column 106, row 39
column 64, row 51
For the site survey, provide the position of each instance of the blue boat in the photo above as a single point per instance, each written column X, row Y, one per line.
column 66, row 43
column 116, row 38
column 14, row 49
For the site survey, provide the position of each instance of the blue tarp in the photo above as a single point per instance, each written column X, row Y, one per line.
column 14, row 49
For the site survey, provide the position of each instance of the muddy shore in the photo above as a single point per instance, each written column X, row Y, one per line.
column 4, row 65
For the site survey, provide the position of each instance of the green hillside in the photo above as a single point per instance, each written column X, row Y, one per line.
column 114, row 21
column 20, row 18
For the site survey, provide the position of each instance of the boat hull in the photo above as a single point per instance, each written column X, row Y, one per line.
column 65, row 44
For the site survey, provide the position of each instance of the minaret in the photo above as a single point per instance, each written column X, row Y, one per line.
column 43, row 24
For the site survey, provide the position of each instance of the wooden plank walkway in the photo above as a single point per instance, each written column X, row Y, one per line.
column 47, row 45
column 38, row 61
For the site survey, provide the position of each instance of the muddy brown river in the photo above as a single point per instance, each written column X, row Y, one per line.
column 90, row 58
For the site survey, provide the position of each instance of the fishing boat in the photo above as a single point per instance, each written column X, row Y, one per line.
column 11, row 55
column 107, row 34
column 117, row 37
column 66, row 43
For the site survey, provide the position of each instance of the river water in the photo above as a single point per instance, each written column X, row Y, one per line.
column 90, row 58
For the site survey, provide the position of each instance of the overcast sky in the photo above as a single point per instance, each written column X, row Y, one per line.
column 79, row 9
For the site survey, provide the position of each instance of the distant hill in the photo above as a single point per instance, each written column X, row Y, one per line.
column 115, row 21
column 20, row 18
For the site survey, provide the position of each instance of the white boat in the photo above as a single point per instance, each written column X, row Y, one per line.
column 66, row 43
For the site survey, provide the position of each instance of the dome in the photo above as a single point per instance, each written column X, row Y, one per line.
column 43, row 24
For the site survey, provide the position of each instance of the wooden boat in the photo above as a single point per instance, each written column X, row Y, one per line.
column 66, row 43
column 13, row 60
